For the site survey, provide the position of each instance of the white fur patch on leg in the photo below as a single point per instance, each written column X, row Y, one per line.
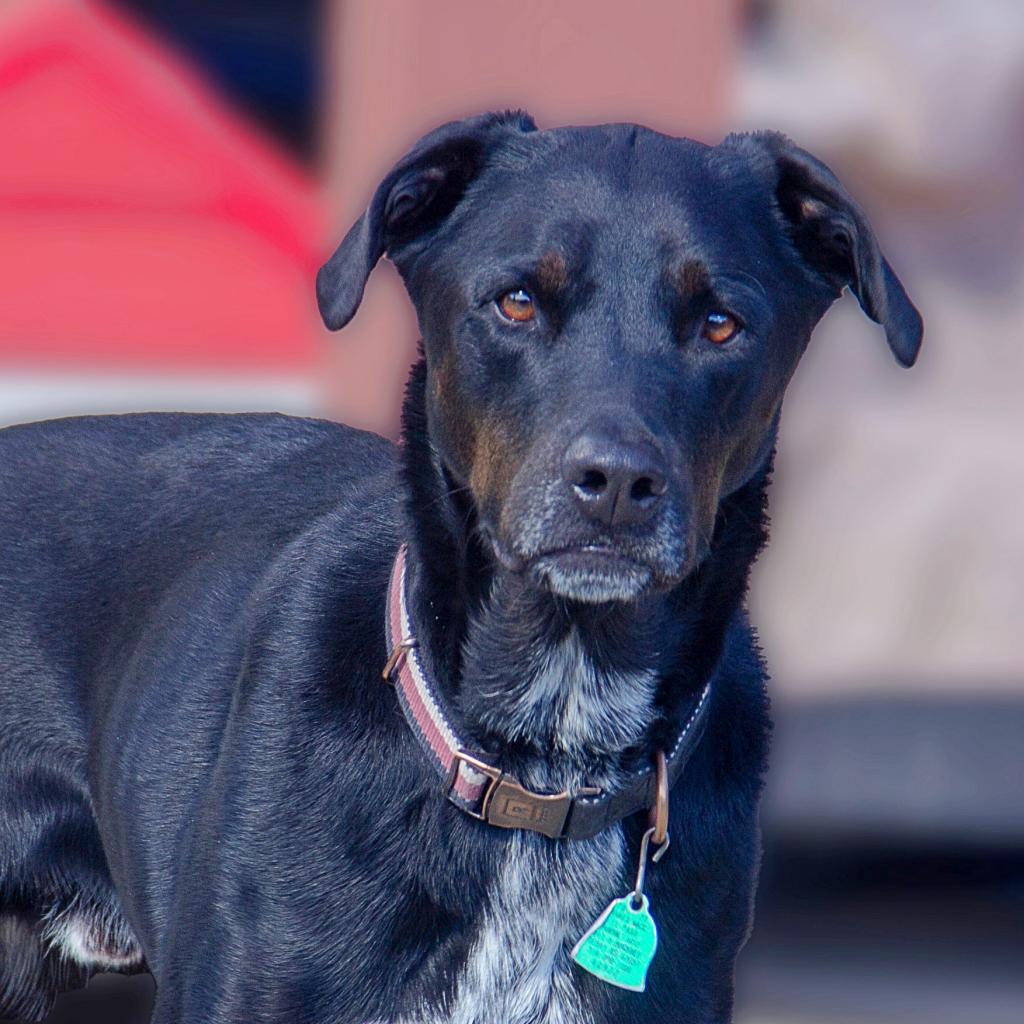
column 92, row 937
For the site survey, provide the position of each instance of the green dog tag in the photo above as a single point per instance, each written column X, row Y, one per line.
column 619, row 946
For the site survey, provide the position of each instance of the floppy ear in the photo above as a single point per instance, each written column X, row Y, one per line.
column 415, row 196
column 833, row 235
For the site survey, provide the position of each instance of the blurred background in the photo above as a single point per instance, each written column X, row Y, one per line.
column 172, row 172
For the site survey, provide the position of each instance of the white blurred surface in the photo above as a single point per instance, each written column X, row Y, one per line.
column 32, row 396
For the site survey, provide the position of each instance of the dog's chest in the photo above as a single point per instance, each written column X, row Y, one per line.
column 519, row 970
column 543, row 897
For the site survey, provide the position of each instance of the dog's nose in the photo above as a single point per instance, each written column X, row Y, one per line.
column 615, row 483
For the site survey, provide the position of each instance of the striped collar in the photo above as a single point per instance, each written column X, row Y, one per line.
column 481, row 789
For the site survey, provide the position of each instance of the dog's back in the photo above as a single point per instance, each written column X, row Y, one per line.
column 128, row 543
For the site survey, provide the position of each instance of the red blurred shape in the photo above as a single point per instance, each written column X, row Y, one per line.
column 142, row 224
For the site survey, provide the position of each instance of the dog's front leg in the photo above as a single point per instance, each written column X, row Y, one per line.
column 234, row 966
column 223, row 967
column 231, row 987
column 213, row 989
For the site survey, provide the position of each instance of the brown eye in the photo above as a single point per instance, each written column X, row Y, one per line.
column 720, row 327
column 516, row 305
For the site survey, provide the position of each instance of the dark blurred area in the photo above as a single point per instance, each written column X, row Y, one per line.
column 263, row 54
column 221, row 148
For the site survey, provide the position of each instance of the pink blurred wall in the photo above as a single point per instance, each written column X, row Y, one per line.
column 403, row 66
column 141, row 215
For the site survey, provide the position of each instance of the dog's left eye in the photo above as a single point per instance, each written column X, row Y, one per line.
column 720, row 327
column 516, row 305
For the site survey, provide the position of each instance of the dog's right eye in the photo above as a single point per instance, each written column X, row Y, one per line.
column 516, row 305
column 720, row 327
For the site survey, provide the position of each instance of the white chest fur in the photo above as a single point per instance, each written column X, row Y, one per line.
column 583, row 709
column 519, row 970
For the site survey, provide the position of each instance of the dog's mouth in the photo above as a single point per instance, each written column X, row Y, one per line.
column 591, row 570
column 591, row 573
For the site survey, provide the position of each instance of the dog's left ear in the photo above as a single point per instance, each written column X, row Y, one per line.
column 416, row 195
column 833, row 235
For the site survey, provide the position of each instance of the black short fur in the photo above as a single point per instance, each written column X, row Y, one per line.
column 200, row 768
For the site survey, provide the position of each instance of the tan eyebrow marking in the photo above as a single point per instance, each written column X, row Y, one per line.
column 693, row 278
column 552, row 274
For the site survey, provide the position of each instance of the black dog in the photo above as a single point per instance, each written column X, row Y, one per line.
column 201, row 769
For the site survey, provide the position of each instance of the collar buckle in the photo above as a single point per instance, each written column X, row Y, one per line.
column 484, row 792
column 513, row 806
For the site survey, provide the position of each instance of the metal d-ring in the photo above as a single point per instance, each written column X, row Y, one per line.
column 658, row 818
column 636, row 897
column 401, row 649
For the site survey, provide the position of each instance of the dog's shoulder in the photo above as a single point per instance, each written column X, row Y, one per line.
column 739, row 727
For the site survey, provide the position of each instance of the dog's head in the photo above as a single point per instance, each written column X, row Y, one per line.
column 610, row 317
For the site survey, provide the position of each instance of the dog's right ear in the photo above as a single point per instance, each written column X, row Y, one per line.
column 416, row 195
column 834, row 237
